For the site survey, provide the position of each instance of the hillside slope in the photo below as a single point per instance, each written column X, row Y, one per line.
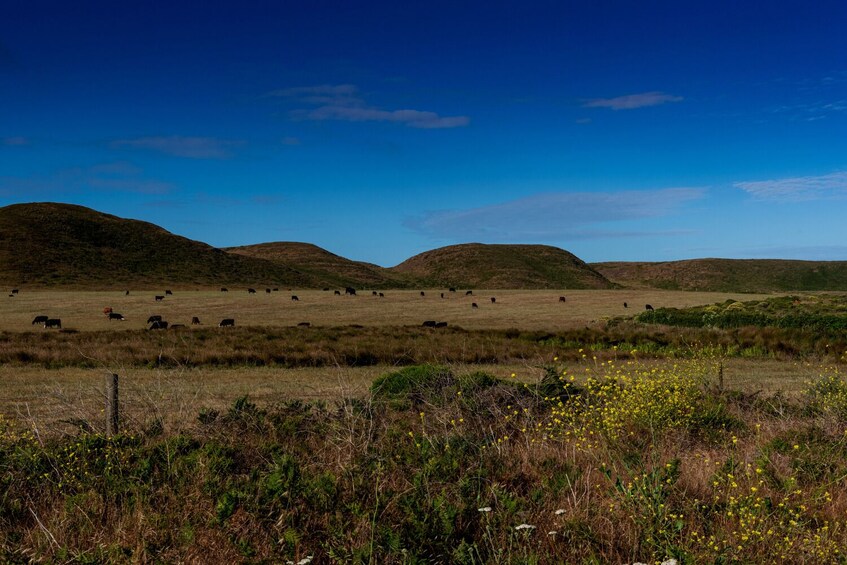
column 49, row 244
column 729, row 275
column 323, row 265
column 478, row 265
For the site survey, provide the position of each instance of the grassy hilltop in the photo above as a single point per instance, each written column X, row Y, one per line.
column 477, row 265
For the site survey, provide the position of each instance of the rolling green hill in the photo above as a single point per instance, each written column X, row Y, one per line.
column 48, row 244
column 729, row 275
column 476, row 265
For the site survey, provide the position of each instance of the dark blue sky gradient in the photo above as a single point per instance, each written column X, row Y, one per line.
column 616, row 130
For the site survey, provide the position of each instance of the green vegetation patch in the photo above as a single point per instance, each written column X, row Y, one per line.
column 820, row 313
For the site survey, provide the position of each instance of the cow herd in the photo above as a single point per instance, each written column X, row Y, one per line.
column 155, row 322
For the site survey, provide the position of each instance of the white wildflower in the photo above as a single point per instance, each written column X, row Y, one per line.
column 525, row 527
column 306, row 560
column 560, row 511
column 484, row 509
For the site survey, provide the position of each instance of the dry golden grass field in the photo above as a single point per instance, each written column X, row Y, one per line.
column 522, row 309
column 53, row 397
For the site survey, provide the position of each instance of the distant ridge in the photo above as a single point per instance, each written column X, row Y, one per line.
column 477, row 265
column 323, row 265
column 729, row 275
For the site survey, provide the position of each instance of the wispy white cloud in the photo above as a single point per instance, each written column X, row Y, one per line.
column 633, row 101
column 115, row 177
column 344, row 102
column 179, row 146
column 796, row 189
column 554, row 216
column 14, row 141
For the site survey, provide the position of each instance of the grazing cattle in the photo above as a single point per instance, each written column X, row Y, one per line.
column 442, row 295
column 251, row 291
column 326, row 289
column 227, row 323
column 267, row 291
column 373, row 292
column 53, row 323
column 474, row 306
column 562, row 299
column 107, row 310
column 158, row 325
column 14, row 291
column 381, row 295
column 648, row 307
column 224, row 289
column 625, row 305
column 168, row 293
column 116, row 316
column 441, row 324
column 126, row 293
column 40, row 319
column 493, row 300
column 195, row 321
column 350, row 290
column 152, row 319
column 294, row 298
column 277, row 290
column 159, row 297
column 429, row 324
column 304, row 324
column 423, row 293
column 452, row 289
column 337, row 293
column 469, row 293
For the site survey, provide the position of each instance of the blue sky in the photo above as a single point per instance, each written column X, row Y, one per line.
column 378, row 130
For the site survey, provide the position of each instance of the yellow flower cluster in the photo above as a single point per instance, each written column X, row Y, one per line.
column 619, row 401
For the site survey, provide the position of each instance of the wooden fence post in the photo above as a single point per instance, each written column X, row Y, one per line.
column 112, row 417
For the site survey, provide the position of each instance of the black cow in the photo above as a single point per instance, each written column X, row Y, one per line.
column 337, row 293
column 116, row 316
column 625, row 305
column 40, row 319
column 195, row 321
column 469, row 293
column 267, row 291
column 304, row 324
column 452, row 289
column 473, row 305
column 326, row 289
column 562, row 299
column 227, row 323
column 493, row 300
column 159, row 298
column 158, row 325
column 423, row 293
column 441, row 324
column 648, row 307
column 224, row 289
column 126, row 293
column 373, row 292
column 350, row 290
column 277, row 289
column 294, row 298
column 251, row 291
column 168, row 293
column 429, row 324
column 14, row 291
column 53, row 323
column 381, row 295
column 442, row 295
column 152, row 319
